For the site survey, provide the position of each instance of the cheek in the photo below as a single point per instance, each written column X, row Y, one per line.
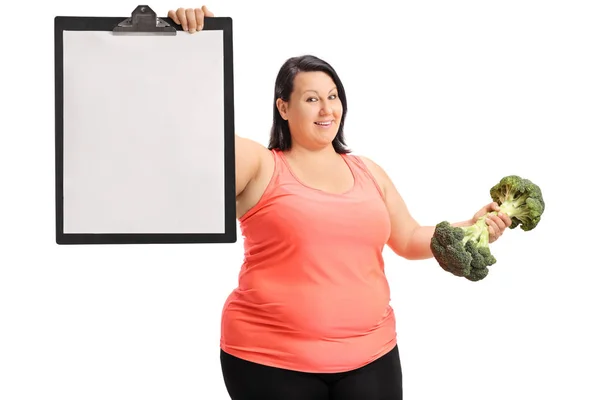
column 298, row 119
column 306, row 114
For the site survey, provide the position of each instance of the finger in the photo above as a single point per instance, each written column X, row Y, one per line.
column 493, row 229
column 173, row 15
column 191, row 17
column 501, row 223
column 499, row 220
column 206, row 11
column 180, row 13
column 493, row 225
column 493, row 236
column 494, row 206
column 505, row 218
column 199, row 18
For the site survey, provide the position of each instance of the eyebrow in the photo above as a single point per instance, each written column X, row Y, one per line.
column 311, row 90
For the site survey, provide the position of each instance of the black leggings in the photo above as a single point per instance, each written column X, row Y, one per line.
column 379, row 380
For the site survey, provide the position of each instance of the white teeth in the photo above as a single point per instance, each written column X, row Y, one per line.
column 323, row 123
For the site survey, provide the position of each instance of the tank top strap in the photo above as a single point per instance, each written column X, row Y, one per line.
column 281, row 171
column 362, row 172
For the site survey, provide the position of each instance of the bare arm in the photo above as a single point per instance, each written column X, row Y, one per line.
column 408, row 238
column 247, row 162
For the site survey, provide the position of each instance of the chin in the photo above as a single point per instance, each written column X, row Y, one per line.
column 326, row 139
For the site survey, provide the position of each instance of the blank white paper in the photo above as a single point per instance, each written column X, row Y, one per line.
column 143, row 133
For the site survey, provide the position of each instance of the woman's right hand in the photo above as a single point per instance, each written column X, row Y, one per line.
column 190, row 19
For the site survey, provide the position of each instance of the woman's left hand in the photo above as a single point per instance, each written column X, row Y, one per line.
column 496, row 223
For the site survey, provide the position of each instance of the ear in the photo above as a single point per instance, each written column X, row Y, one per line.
column 282, row 107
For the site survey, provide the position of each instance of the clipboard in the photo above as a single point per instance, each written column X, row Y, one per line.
column 144, row 131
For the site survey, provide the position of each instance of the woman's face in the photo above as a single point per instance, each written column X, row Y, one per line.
column 314, row 110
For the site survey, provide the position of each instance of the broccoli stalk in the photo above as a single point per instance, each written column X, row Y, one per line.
column 464, row 251
column 477, row 233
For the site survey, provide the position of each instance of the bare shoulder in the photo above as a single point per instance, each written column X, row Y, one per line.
column 249, row 156
column 261, row 153
column 377, row 171
column 249, row 147
column 254, row 168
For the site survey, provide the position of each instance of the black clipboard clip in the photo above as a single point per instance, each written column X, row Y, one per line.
column 143, row 21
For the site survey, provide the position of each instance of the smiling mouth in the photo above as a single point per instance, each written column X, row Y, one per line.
column 324, row 124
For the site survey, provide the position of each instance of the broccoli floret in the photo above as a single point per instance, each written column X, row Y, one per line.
column 520, row 199
column 464, row 251
column 449, row 251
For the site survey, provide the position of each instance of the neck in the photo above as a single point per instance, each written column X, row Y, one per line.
column 315, row 152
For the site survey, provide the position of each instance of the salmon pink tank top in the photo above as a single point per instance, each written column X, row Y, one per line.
column 312, row 293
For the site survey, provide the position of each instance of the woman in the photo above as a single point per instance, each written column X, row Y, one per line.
column 311, row 319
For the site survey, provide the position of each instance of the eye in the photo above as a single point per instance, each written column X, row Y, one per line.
column 312, row 99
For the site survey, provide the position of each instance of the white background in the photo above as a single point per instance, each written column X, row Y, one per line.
column 447, row 96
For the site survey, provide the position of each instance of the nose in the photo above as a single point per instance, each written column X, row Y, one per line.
column 327, row 108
